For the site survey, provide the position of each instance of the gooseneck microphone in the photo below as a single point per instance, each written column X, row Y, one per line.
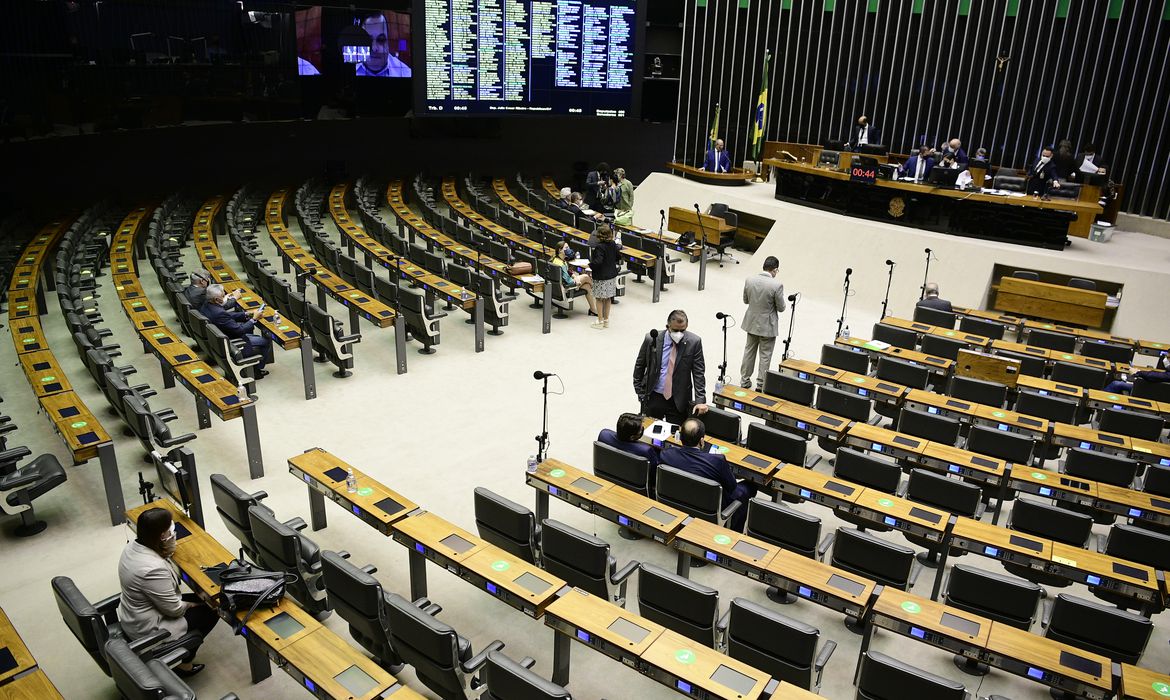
column 848, row 271
column 719, row 315
column 889, row 281
column 891, row 262
column 542, row 375
column 653, row 334
column 844, row 301
column 791, row 297
column 925, row 276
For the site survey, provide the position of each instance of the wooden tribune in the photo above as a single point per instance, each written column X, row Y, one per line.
column 1083, row 307
column 682, row 220
column 980, row 365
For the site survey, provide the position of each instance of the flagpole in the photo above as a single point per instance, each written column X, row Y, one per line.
column 761, row 117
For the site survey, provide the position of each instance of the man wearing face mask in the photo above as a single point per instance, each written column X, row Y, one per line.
column 670, row 372
column 150, row 591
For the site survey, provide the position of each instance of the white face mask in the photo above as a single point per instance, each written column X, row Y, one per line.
column 676, row 336
column 169, row 542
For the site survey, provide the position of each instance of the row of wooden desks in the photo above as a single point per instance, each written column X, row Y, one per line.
column 435, row 286
column 1022, row 327
column 178, row 362
column 80, row 430
column 359, row 304
column 319, row 660
column 21, row 678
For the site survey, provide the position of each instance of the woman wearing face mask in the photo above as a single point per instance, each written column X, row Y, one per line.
column 150, row 589
column 603, row 262
column 570, row 281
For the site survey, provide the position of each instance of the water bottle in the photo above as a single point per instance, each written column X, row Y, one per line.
column 718, row 386
column 845, row 333
column 532, row 464
column 242, row 392
column 350, row 480
column 276, row 317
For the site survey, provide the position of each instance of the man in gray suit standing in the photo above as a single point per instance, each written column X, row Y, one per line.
column 764, row 296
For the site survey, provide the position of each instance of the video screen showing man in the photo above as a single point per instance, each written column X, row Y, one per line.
column 389, row 55
column 309, row 41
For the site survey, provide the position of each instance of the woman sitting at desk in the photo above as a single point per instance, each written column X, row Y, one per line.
column 570, row 281
column 150, row 590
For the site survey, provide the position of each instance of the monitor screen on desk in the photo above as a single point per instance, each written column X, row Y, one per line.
column 877, row 149
column 173, row 480
column 830, row 158
column 943, row 177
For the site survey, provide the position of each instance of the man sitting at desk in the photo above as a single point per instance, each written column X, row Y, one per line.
column 1087, row 163
column 694, row 458
column 863, row 133
column 918, row 166
column 238, row 325
column 1156, row 376
column 931, row 299
column 1042, row 175
column 717, row 160
column 628, row 438
column 196, row 292
column 954, row 148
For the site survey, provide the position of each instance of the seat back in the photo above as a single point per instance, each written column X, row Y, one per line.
column 1050, row 522
column 624, row 469
column 358, row 598
column 1026, row 274
column 1145, row 426
column 1011, row 183
column 1055, row 408
column 777, row 443
column 773, row 643
column 1082, row 283
column 842, row 403
column 678, row 603
column 431, row 647
column 1158, row 391
column 82, row 619
column 1140, row 545
column 1029, row 365
column 944, row 493
column 1051, row 341
column 848, row 359
column 1010, row 447
column 1002, row 598
column 284, row 549
column 789, row 388
column 783, row 527
column 506, row 524
column 978, row 391
column 582, row 560
column 884, row 678
column 507, row 680
column 929, row 426
column 935, row 317
column 1157, row 480
column 1098, row 466
column 722, row 424
column 1117, row 634
column 981, row 326
column 232, row 504
column 1081, row 375
column 905, row 373
column 691, row 494
column 139, row 680
column 867, row 470
column 942, row 347
column 1105, row 350
column 898, row 337
column 865, row 555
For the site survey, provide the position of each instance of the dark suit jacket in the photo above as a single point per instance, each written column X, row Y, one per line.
column 935, row 303
column 875, row 134
column 234, row 324
column 724, row 161
column 1049, row 171
column 1076, row 174
column 638, row 449
column 911, row 166
column 690, row 380
column 694, row 461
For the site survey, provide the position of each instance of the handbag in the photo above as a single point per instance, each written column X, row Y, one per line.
column 246, row 587
column 520, row 268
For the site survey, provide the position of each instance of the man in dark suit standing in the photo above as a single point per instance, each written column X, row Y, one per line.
column 931, row 300
column 238, row 325
column 693, row 458
column 670, row 372
column 1042, row 175
column 628, row 438
column 863, row 133
column 716, row 160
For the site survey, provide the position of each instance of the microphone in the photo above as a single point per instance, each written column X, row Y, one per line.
column 848, row 271
column 697, row 208
column 542, row 375
column 719, row 315
column 928, row 251
column 890, row 262
column 662, row 212
column 792, row 297
column 653, row 334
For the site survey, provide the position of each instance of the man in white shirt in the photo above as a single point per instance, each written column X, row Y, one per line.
column 864, row 133
column 381, row 63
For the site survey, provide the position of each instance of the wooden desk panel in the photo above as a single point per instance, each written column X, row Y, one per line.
column 641, row 510
column 504, row 571
column 820, row 582
column 258, row 624
column 938, row 365
column 972, row 339
column 81, row 431
column 694, row 664
column 1083, row 307
column 322, row 655
column 682, row 220
column 1000, row 540
column 43, row 373
column 1099, row 398
column 316, row 462
column 220, row 394
column 27, row 335
column 169, row 347
column 737, row 176
column 723, row 542
column 10, row 640
column 1045, row 387
column 1143, row 684
column 596, row 616
column 1006, row 642
column 902, row 514
column 817, row 487
column 430, row 530
column 928, row 615
column 32, row 686
column 1136, row 580
column 286, row 334
column 871, row 438
column 954, row 460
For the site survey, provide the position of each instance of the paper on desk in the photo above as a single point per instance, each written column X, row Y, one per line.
column 659, row 429
column 671, row 236
column 579, row 262
column 532, row 279
column 878, row 345
column 1087, row 166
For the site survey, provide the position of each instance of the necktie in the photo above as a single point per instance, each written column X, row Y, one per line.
column 920, row 168
column 668, row 386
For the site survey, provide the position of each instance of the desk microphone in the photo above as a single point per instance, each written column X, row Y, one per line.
column 719, row 315
column 542, row 375
column 697, row 211
column 928, row 251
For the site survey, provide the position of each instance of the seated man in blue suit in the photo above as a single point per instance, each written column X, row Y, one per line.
column 628, row 439
column 694, row 458
column 919, row 166
column 716, row 160
column 237, row 325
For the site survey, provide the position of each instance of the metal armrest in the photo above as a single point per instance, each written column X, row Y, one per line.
column 528, row 662
column 343, row 554
column 1046, row 614
column 915, row 570
column 980, row 509
column 166, row 415
column 351, row 338
column 827, row 650
column 369, row 569
column 297, row 523
column 314, row 568
column 176, row 440
column 109, row 348
column 14, row 455
column 479, row 659
column 721, row 631
column 727, row 512
column 621, row 576
column 15, row 480
column 1102, row 542
column 143, row 390
column 900, row 492
column 108, row 607
column 143, row 643
column 825, row 544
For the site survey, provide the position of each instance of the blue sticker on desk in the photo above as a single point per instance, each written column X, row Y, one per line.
column 911, row 607
column 557, row 473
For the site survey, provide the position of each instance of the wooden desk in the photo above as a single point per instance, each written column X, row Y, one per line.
column 211, row 390
column 427, row 536
column 566, row 482
column 977, row 341
column 745, row 464
column 325, row 474
column 687, row 666
column 901, row 514
column 1011, row 422
column 27, row 335
column 746, row 556
column 1054, row 485
column 820, row 583
column 1100, row 399
column 860, row 384
column 640, row 514
column 936, row 624
column 949, row 459
column 682, row 220
column 512, row 580
column 1131, row 503
column 1049, row 662
column 737, row 176
column 941, row 405
column 598, row 624
column 938, row 366
column 1068, row 435
column 43, row 373
column 1000, row 543
column 1083, row 307
column 1143, row 684
column 34, row 685
column 817, row 487
column 81, row 431
column 320, row 658
column 802, row 418
column 11, row 641
column 871, row 438
column 1127, row 578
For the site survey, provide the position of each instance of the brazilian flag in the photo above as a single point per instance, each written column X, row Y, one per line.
column 761, row 115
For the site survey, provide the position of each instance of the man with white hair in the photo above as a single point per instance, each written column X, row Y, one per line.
column 237, row 325
column 932, row 300
column 196, row 292
column 566, row 199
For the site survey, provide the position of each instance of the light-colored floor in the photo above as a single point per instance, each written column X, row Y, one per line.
column 458, row 420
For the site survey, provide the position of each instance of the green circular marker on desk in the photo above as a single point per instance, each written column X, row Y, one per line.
column 22, row 307
column 885, row 502
column 283, row 328
column 950, row 333
column 197, row 370
column 78, row 424
column 1161, row 688
column 998, row 414
column 26, row 341
column 1113, row 396
column 365, row 491
column 859, row 380
column 722, row 449
column 48, row 378
column 741, row 393
column 157, row 335
column 557, row 473
column 501, row 565
column 1038, row 475
column 1067, row 357
column 684, row 656
column 911, row 607
column 722, row 539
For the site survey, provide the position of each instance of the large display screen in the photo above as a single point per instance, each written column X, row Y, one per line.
column 527, row 56
column 365, row 43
